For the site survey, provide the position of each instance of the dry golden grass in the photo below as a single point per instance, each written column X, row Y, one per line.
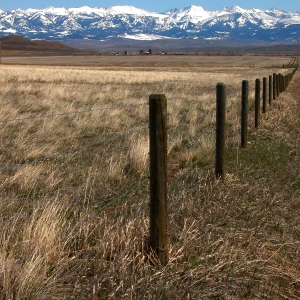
column 148, row 61
column 75, row 219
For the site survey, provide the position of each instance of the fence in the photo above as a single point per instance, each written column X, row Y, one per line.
column 158, row 158
column 158, row 147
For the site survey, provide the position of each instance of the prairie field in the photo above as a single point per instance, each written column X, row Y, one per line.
column 148, row 61
column 75, row 193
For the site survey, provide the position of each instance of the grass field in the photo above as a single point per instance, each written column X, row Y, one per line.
column 74, row 182
column 151, row 60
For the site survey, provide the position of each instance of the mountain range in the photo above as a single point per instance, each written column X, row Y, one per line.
column 193, row 22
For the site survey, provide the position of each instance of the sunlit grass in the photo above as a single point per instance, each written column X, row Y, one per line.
column 75, row 224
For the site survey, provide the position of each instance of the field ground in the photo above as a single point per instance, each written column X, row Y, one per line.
column 152, row 61
column 74, row 182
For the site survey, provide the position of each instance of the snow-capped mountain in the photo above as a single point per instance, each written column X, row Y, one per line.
column 130, row 22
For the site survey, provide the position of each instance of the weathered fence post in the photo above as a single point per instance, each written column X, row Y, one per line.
column 158, row 176
column 274, row 86
column 280, row 83
column 257, row 101
column 244, row 116
column 270, row 90
column 264, row 95
column 220, row 130
column 277, row 85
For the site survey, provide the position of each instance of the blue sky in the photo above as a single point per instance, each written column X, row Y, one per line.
column 160, row 6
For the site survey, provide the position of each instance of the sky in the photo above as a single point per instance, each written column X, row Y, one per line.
column 157, row 6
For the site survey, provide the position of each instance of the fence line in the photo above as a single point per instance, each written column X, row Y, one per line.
column 159, row 214
column 71, row 113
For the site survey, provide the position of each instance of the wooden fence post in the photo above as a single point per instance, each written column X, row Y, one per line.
column 158, row 176
column 277, row 85
column 257, row 101
column 270, row 90
column 280, row 83
column 220, row 129
column 244, row 116
column 274, row 86
column 264, row 95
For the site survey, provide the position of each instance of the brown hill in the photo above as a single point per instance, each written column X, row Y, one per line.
column 14, row 44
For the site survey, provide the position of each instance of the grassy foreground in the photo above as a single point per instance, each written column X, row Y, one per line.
column 75, row 224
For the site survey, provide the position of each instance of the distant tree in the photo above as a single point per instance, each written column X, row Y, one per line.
column 126, row 52
column 141, row 51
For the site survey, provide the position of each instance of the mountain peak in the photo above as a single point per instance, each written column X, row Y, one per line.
column 126, row 9
column 237, row 9
column 193, row 13
column 193, row 22
column 55, row 10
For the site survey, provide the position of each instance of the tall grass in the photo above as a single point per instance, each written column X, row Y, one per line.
column 75, row 222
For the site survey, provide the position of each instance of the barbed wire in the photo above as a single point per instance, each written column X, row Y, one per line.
column 97, row 280
column 71, row 113
column 68, row 151
column 188, row 146
column 186, row 170
column 102, row 208
column 112, row 201
column 53, row 198
column 44, row 203
column 86, row 257
column 176, row 128
column 184, row 173
column 40, row 205
column 109, row 203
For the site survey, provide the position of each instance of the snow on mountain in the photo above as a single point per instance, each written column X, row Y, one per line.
column 237, row 9
column 192, row 13
column 60, row 11
column 131, row 22
column 86, row 10
column 143, row 37
column 126, row 10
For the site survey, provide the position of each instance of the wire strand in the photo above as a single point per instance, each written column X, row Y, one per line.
column 68, row 151
column 61, row 194
column 114, row 263
column 70, row 113
column 102, row 208
column 82, row 260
